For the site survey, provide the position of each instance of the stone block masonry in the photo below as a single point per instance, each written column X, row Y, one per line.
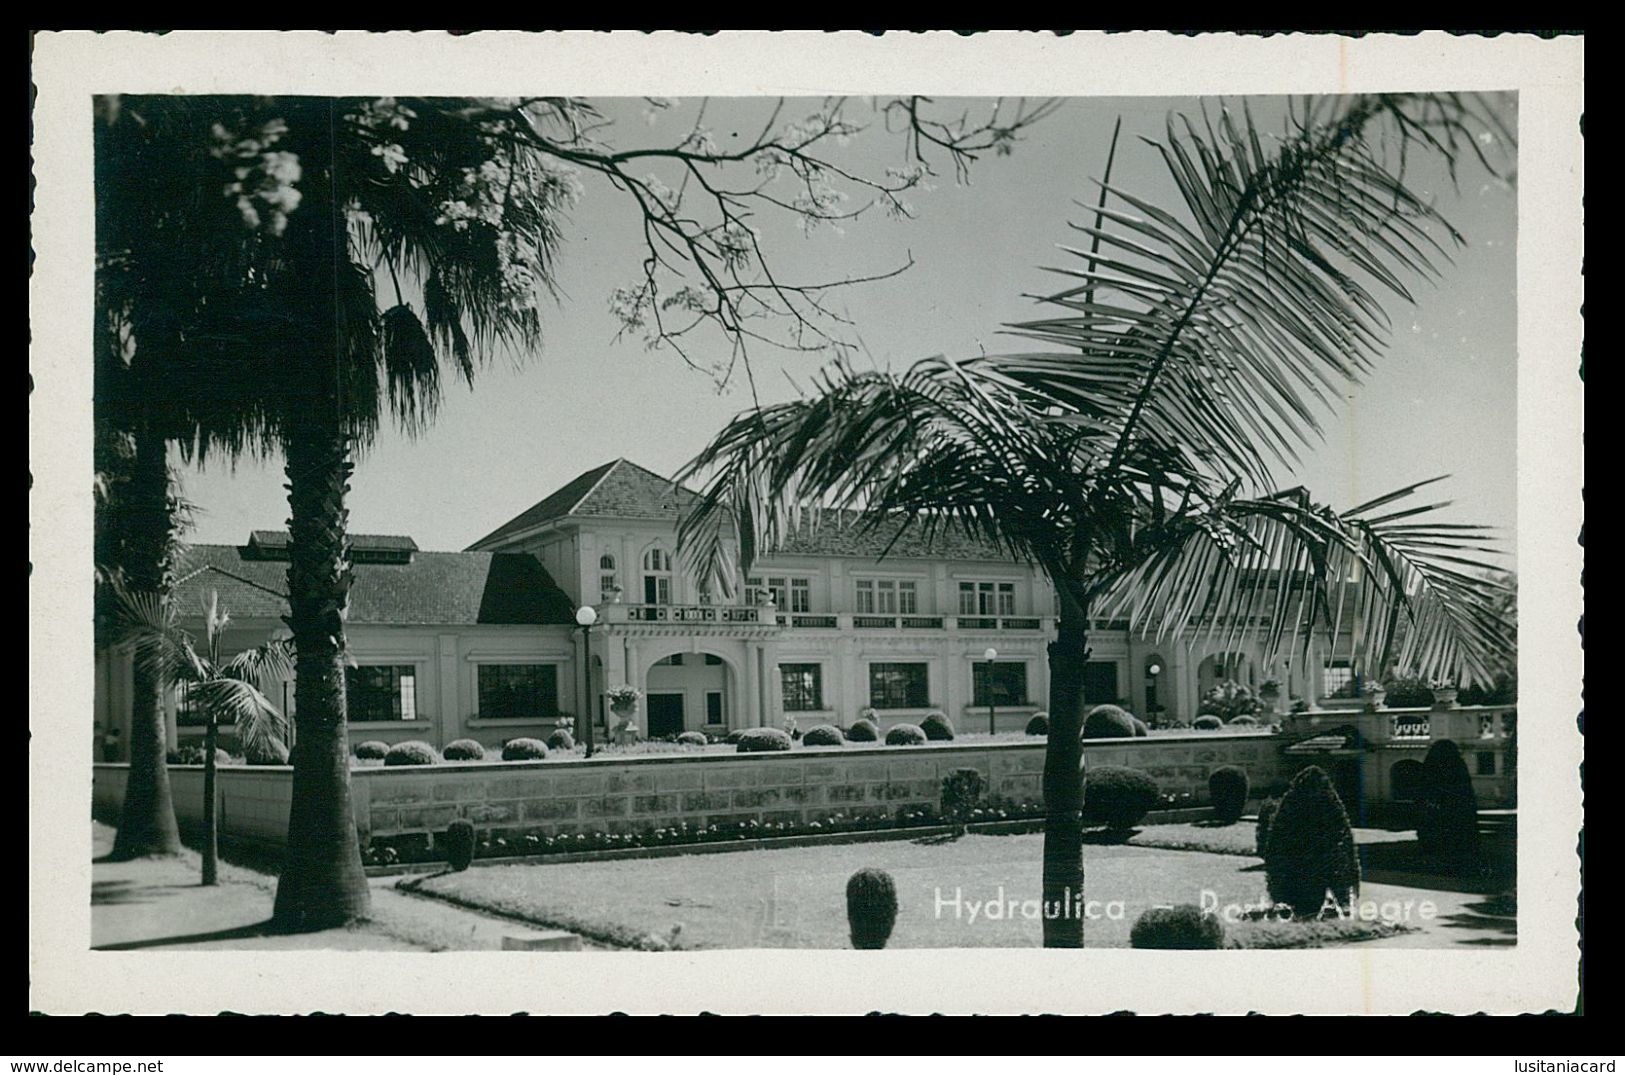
column 639, row 793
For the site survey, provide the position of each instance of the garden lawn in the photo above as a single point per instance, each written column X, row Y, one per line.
column 1240, row 838
column 796, row 897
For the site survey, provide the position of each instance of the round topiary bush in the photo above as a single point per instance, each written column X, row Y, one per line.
column 1244, row 722
column 411, row 752
column 1184, row 927
column 1227, row 790
column 871, row 907
column 1108, row 722
column 1117, row 797
column 1039, row 724
column 863, row 730
column 905, row 735
column 1266, row 816
column 561, row 739
column 1141, row 728
column 823, row 735
column 763, row 740
column 733, row 736
column 459, row 840
column 693, row 739
column 270, row 752
column 937, row 727
column 372, row 750
column 1447, row 823
column 463, row 750
column 525, row 749
column 1311, row 848
column 1207, row 722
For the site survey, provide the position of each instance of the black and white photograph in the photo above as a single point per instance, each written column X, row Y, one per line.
column 555, row 512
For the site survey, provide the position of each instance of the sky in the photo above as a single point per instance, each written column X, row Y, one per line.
column 1442, row 399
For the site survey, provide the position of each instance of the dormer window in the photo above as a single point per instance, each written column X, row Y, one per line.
column 657, row 577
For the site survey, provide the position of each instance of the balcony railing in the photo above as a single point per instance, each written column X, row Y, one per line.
column 692, row 613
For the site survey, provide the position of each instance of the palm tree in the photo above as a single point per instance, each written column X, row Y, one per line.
column 437, row 202
column 1132, row 459
column 225, row 690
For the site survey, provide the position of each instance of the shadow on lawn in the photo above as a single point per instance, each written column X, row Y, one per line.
column 258, row 929
column 1406, row 864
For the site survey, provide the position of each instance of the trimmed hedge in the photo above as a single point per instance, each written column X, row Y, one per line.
column 1039, row 724
column 1141, row 728
column 863, row 730
column 905, row 735
column 274, row 752
column 463, row 750
column 1311, row 847
column 1244, row 721
column 937, row 727
column 1108, row 722
column 193, row 754
column 371, row 750
column 1184, row 927
column 411, row 752
column 561, row 739
column 733, row 737
column 1227, row 790
column 823, row 735
column 525, row 749
column 871, row 907
column 1447, row 825
column 763, row 740
column 459, row 843
column 1117, row 797
column 1266, row 816
column 1207, row 722
column 693, row 739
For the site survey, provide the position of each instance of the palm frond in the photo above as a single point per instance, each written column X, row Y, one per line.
column 1229, row 326
column 1407, row 589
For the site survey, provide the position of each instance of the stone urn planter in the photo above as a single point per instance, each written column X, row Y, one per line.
column 1444, row 697
column 1375, row 696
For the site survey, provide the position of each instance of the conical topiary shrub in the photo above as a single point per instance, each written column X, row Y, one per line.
column 871, row 907
column 1447, row 827
column 1311, row 847
column 1266, row 817
column 1227, row 790
column 459, row 844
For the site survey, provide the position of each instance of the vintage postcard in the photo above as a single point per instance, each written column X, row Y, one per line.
column 805, row 523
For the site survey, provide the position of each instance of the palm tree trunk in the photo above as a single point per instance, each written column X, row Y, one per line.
column 147, row 820
column 1063, row 778
column 322, row 883
column 211, row 826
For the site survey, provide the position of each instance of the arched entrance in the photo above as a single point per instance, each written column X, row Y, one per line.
column 688, row 691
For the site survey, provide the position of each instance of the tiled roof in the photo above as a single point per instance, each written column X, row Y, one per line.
column 449, row 588
column 624, row 490
column 278, row 539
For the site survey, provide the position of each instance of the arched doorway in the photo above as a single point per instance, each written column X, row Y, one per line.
column 688, row 691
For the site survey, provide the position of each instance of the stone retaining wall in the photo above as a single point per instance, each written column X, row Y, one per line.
column 628, row 794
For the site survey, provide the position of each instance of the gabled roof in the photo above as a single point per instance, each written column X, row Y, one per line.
column 442, row 588
column 619, row 490
column 624, row 490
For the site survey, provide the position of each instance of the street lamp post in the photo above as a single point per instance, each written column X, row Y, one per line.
column 586, row 616
column 990, row 655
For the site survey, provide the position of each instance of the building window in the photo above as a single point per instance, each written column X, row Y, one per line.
column 803, row 687
column 987, row 599
column 381, row 692
column 1486, row 763
column 800, row 595
column 899, row 686
column 518, row 691
column 187, row 711
column 888, row 597
column 657, row 577
column 607, row 586
column 1337, row 680
column 712, row 658
column 713, row 708
column 787, row 593
column 1008, row 680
